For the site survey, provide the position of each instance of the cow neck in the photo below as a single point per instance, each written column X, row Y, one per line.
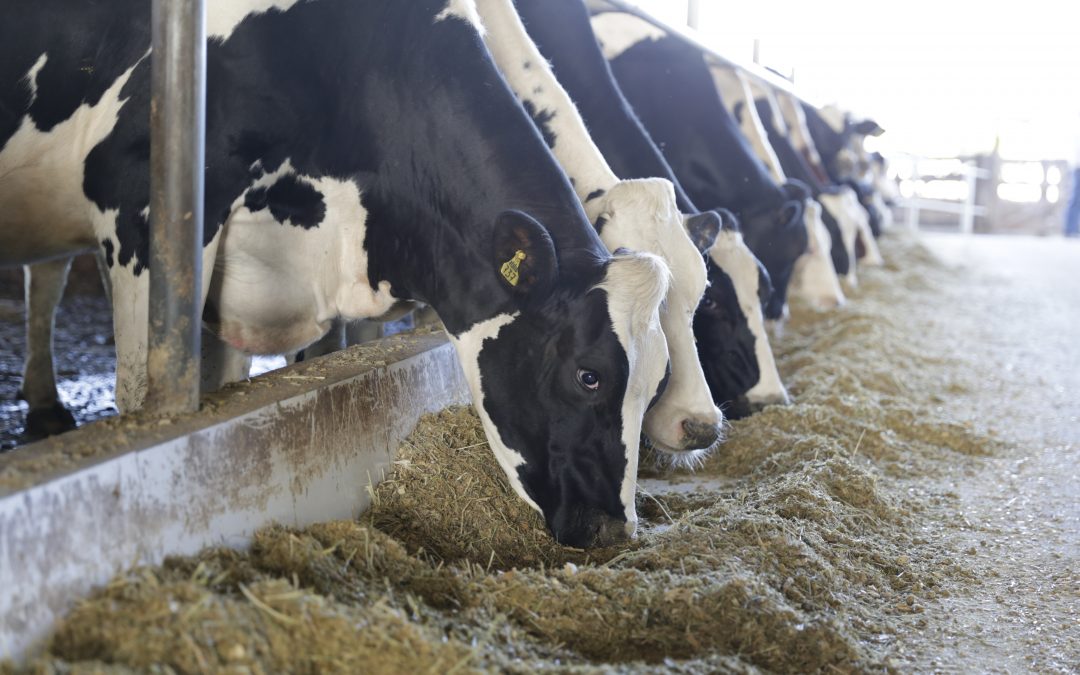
column 457, row 152
column 706, row 149
column 562, row 33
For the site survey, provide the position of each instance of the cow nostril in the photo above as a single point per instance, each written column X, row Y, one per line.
column 610, row 531
column 699, row 435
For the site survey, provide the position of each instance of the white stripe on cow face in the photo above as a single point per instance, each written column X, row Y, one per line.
column 223, row 16
column 814, row 280
column 468, row 346
column 731, row 255
column 619, row 31
column 642, row 215
column 635, row 285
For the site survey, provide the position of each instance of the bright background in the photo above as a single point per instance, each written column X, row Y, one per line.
column 943, row 77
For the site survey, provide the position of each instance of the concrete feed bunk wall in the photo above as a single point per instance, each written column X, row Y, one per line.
column 296, row 446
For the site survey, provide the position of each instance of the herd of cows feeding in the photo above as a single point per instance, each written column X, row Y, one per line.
column 533, row 174
column 604, row 219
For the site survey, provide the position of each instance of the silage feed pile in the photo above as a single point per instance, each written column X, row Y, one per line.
column 800, row 546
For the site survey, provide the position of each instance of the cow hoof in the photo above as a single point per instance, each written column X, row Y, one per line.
column 42, row 422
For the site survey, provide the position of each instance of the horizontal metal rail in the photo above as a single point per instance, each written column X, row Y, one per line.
column 763, row 75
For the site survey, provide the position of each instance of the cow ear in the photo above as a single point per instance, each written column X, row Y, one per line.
column 791, row 214
column 728, row 221
column 524, row 255
column 703, row 229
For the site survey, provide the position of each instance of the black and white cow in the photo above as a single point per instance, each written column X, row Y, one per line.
column 669, row 86
column 738, row 361
column 814, row 279
column 637, row 214
column 839, row 142
column 358, row 153
column 842, row 200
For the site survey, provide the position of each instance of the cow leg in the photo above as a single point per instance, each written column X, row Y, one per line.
column 44, row 288
column 359, row 332
column 221, row 363
column 333, row 341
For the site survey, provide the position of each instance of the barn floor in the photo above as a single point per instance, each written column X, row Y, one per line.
column 916, row 510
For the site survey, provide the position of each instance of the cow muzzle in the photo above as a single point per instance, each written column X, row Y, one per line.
column 699, row 435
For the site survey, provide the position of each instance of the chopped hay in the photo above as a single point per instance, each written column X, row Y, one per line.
column 794, row 549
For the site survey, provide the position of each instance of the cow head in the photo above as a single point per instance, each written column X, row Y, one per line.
column 642, row 215
column 562, row 381
column 814, row 280
column 841, row 205
column 730, row 328
column 777, row 236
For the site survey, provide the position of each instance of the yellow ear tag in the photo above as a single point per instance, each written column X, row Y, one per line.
column 509, row 269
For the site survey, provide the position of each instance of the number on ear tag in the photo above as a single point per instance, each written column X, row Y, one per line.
column 510, row 268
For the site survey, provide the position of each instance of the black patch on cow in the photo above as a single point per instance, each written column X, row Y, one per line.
column 86, row 53
column 595, row 194
column 725, row 343
column 527, row 64
column 289, row 200
column 838, row 253
column 601, row 221
column 107, row 246
column 662, row 387
column 671, row 89
column 542, row 119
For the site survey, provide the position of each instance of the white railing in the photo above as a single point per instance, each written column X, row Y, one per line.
column 917, row 173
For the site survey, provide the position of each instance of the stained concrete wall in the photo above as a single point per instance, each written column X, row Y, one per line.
column 295, row 446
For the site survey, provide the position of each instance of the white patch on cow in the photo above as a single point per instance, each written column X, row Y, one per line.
column 532, row 80
column 46, row 212
column 31, row 76
column 636, row 283
column 871, row 253
column 619, row 31
column 795, row 119
column 814, row 280
column 223, row 16
column 845, row 209
column 735, row 89
column 277, row 286
column 464, row 10
column 468, row 346
column 642, row 215
column 731, row 254
column 836, row 119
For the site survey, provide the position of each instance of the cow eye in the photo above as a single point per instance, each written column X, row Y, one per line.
column 589, row 379
column 707, row 303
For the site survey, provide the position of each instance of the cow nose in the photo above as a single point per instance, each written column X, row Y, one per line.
column 699, row 435
column 609, row 531
column 778, row 399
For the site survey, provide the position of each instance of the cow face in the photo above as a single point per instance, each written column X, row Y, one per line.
column 814, row 280
column 642, row 215
column 841, row 205
column 778, row 237
column 730, row 328
column 562, row 382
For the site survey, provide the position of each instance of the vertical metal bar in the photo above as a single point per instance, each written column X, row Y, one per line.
column 913, row 201
column 177, row 133
column 967, row 218
column 693, row 14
